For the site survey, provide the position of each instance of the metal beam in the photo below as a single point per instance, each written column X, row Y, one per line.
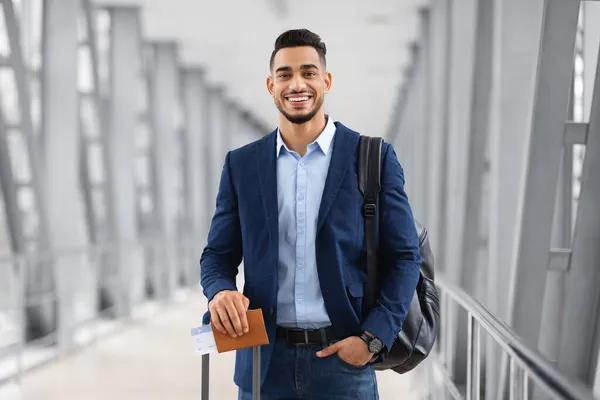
column 104, row 216
column 421, row 133
column 205, row 149
column 61, row 137
column 516, row 32
column 516, row 48
column 437, row 93
column 408, row 125
column 468, row 130
column 403, row 140
column 463, row 27
column 216, row 138
column 478, row 141
column 538, row 182
column 165, row 101
column 554, row 293
column 591, row 45
column 583, row 292
column 538, row 188
column 41, row 319
column 443, row 166
column 9, row 190
column 125, row 66
column 194, row 101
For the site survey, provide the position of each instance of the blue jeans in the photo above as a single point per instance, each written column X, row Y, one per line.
column 297, row 373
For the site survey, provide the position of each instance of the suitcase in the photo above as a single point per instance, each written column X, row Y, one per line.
column 255, row 374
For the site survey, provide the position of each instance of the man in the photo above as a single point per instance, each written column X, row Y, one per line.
column 289, row 205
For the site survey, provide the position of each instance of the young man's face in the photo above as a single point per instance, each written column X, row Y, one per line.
column 298, row 83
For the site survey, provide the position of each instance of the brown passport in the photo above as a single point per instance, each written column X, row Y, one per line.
column 257, row 334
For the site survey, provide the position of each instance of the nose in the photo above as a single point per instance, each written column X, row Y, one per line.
column 298, row 84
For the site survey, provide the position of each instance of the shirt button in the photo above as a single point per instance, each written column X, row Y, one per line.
column 301, row 197
column 301, row 233
column 301, row 163
column 300, row 301
column 300, row 266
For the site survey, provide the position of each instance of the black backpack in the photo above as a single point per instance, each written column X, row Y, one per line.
column 419, row 331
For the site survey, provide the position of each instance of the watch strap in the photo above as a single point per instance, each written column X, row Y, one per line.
column 366, row 338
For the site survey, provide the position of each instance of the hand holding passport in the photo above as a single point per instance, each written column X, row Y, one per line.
column 207, row 339
column 257, row 334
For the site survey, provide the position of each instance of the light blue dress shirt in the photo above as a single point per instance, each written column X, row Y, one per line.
column 300, row 183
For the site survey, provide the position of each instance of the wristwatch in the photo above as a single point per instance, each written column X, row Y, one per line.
column 373, row 344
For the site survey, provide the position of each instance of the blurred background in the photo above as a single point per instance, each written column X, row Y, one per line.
column 115, row 118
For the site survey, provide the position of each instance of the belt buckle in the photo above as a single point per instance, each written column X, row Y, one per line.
column 305, row 336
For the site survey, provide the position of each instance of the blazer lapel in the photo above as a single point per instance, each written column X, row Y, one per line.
column 266, row 164
column 343, row 148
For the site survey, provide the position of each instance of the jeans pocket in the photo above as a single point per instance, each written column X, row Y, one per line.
column 348, row 365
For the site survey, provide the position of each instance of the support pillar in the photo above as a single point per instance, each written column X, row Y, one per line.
column 217, row 142
column 440, row 40
column 125, row 67
column 165, row 100
column 422, row 140
column 537, row 183
column 516, row 37
column 478, row 127
column 194, row 99
column 60, row 107
column 41, row 319
column 538, row 186
column 516, row 50
column 208, row 163
column 578, row 351
column 463, row 31
column 591, row 15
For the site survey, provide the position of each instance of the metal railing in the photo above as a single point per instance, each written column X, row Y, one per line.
column 130, row 275
column 529, row 374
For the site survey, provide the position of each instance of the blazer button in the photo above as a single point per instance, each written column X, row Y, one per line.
column 272, row 311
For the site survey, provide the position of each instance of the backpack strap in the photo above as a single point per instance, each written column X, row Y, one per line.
column 369, row 159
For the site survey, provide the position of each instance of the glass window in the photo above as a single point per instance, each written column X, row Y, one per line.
column 8, row 96
column 85, row 81
column 19, row 156
column 4, row 47
column 96, row 164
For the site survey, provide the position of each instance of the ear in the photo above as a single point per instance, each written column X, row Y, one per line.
column 270, row 83
column 328, row 82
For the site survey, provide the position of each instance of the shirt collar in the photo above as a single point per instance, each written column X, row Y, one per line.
column 323, row 140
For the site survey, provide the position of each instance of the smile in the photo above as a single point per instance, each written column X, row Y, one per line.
column 297, row 100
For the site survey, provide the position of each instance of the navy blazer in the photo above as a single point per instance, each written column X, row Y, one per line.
column 245, row 226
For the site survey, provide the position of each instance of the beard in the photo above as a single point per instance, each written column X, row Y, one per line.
column 301, row 118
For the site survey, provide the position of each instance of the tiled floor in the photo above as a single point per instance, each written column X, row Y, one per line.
column 152, row 360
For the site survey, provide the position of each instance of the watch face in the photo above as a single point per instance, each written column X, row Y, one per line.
column 375, row 346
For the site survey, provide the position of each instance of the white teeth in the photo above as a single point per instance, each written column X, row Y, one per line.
column 298, row 99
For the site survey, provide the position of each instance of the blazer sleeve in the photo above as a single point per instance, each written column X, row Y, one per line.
column 398, row 249
column 223, row 252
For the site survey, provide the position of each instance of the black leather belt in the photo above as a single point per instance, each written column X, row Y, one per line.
column 299, row 337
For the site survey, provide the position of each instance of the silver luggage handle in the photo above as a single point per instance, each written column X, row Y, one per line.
column 255, row 374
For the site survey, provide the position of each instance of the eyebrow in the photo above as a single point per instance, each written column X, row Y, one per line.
column 303, row 66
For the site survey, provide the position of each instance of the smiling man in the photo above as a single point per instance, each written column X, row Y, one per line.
column 289, row 205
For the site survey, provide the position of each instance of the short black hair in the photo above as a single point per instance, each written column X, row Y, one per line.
column 297, row 38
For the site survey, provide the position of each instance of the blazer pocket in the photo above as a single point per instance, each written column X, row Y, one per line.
column 356, row 293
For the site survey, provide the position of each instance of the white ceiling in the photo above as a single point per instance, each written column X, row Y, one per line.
column 367, row 45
